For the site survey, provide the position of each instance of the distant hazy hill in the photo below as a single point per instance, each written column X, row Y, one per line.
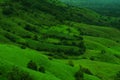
column 105, row 7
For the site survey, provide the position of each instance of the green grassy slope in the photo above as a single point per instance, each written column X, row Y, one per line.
column 102, row 50
column 100, row 70
column 54, row 69
column 98, row 31
column 104, row 71
column 102, row 43
column 21, row 57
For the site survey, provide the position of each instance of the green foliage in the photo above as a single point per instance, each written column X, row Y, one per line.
column 23, row 46
column 31, row 28
column 117, row 77
column 8, row 9
column 11, row 37
column 79, row 75
column 32, row 65
column 41, row 69
column 17, row 74
column 103, row 51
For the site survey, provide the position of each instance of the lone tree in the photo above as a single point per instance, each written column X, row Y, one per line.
column 103, row 51
column 32, row 65
column 79, row 75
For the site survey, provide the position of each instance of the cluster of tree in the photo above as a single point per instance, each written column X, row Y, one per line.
column 41, row 46
column 17, row 74
column 79, row 75
column 32, row 65
column 68, row 45
column 61, row 13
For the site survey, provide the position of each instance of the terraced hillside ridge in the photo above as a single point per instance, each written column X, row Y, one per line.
column 38, row 30
column 101, row 42
column 50, row 40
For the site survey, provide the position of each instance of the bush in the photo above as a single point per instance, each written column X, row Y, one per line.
column 117, row 41
column 42, row 69
column 117, row 77
column 16, row 74
column 31, row 28
column 23, row 47
column 92, row 58
column 8, row 11
column 117, row 55
column 32, row 65
column 87, row 71
column 103, row 51
column 8, row 8
column 79, row 75
column 36, row 37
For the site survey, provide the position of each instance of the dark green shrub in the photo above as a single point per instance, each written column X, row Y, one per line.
column 42, row 69
column 36, row 37
column 103, row 51
column 79, row 75
column 8, row 10
column 32, row 65
column 92, row 58
column 87, row 71
column 16, row 74
column 117, row 55
column 117, row 77
column 31, row 28
column 82, row 47
column 23, row 46
column 117, row 41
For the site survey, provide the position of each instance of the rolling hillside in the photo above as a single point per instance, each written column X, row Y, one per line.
column 104, row 7
column 50, row 40
column 19, row 58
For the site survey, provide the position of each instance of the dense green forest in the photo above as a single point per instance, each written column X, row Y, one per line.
column 52, row 40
